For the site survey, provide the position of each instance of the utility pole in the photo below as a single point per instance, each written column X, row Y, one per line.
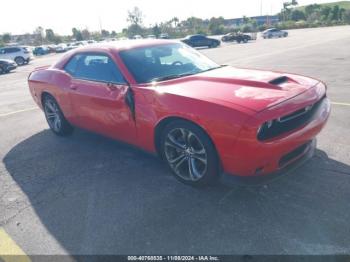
column 99, row 20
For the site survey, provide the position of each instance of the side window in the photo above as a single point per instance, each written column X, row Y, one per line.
column 12, row 50
column 94, row 67
column 2, row 51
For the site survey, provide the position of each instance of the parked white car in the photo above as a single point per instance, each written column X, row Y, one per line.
column 21, row 55
column 274, row 32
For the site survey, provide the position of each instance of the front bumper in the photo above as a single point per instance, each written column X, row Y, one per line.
column 299, row 161
column 252, row 157
column 11, row 67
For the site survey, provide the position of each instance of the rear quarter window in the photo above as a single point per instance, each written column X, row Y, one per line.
column 71, row 66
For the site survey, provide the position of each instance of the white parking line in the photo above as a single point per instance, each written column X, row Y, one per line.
column 19, row 111
column 340, row 104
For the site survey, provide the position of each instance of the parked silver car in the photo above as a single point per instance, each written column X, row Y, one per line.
column 20, row 54
column 274, row 32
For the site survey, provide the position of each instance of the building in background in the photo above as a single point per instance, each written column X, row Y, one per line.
column 260, row 20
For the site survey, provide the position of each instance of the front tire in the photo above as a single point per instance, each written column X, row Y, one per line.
column 19, row 60
column 55, row 118
column 214, row 45
column 189, row 153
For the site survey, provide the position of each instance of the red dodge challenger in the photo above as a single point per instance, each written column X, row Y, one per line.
column 203, row 119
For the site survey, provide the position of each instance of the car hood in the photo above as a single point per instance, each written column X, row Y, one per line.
column 249, row 88
column 7, row 61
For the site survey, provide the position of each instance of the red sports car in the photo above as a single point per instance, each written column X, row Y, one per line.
column 201, row 118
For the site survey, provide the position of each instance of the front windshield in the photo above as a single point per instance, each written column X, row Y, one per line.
column 162, row 62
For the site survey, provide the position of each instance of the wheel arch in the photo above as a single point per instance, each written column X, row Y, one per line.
column 19, row 56
column 45, row 94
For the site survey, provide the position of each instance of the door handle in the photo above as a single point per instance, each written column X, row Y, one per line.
column 73, row 87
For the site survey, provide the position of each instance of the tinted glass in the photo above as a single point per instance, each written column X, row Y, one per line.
column 95, row 67
column 12, row 50
column 150, row 63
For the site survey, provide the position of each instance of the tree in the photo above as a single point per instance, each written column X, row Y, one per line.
column 135, row 19
column 104, row 33
column 85, row 33
column 135, row 16
column 77, row 34
column 216, row 25
column 156, row 30
column 245, row 19
column 6, row 38
column 297, row 15
column 39, row 35
column 113, row 33
column 310, row 9
column 175, row 20
column 194, row 25
column 325, row 12
column 335, row 13
column 286, row 10
column 50, row 35
column 346, row 16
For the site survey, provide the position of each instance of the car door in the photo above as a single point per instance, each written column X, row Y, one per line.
column 275, row 33
column 5, row 54
column 12, row 52
column 196, row 41
column 97, row 95
column 202, row 41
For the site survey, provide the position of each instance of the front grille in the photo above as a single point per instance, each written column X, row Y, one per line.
column 293, row 155
column 289, row 122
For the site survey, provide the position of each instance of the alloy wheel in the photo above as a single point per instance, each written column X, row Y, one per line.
column 19, row 61
column 52, row 114
column 186, row 154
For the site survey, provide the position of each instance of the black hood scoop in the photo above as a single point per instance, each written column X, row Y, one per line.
column 279, row 80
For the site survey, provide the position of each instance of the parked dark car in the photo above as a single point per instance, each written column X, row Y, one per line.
column 40, row 50
column 201, row 40
column 238, row 37
column 7, row 65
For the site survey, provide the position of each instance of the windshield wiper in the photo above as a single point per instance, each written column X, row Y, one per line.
column 213, row 68
column 169, row 77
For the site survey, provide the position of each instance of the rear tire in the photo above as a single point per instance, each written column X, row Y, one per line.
column 213, row 45
column 55, row 118
column 19, row 60
column 2, row 71
column 189, row 153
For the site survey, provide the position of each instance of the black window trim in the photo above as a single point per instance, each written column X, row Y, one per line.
column 94, row 80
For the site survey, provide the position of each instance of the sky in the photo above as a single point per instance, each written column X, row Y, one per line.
column 23, row 16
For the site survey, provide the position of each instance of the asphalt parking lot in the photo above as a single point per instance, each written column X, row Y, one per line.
column 87, row 194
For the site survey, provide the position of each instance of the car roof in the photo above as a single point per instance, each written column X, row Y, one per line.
column 113, row 46
column 125, row 44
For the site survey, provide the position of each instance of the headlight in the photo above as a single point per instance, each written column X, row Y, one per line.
column 265, row 126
